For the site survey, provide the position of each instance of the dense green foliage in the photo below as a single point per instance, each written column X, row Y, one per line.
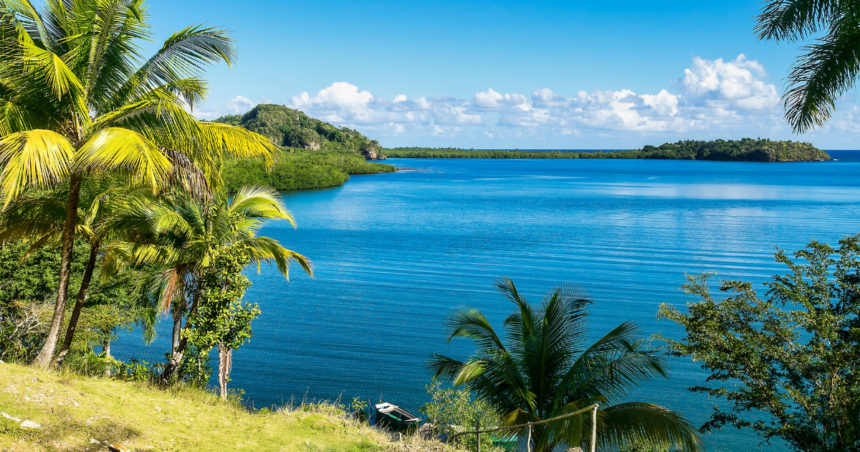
column 747, row 149
column 27, row 290
column 314, row 154
column 454, row 410
column 546, row 368
column 293, row 129
column 299, row 169
column 787, row 363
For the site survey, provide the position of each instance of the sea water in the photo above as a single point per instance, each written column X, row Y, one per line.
column 393, row 254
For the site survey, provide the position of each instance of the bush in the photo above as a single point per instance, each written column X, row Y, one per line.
column 452, row 411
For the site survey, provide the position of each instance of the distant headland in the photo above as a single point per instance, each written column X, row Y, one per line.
column 743, row 150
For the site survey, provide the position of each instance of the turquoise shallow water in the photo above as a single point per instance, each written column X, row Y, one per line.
column 395, row 252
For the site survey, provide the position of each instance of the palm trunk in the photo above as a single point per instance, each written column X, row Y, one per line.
column 79, row 304
column 225, row 363
column 177, row 328
column 106, row 348
column 179, row 350
column 43, row 359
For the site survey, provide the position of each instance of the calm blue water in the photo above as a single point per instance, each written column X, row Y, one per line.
column 394, row 253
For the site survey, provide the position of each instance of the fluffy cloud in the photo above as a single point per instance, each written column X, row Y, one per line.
column 735, row 85
column 340, row 102
column 712, row 98
column 240, row 104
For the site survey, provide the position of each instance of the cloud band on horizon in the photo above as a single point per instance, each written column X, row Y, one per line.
column 712, row 98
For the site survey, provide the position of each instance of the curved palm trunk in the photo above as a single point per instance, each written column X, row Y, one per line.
column 43, row 359
column 79, row 304
column 225, row 363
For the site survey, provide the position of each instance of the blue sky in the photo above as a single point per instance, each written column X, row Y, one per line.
column 501, row 74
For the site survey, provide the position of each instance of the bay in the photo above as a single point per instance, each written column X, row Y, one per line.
column 394, row 253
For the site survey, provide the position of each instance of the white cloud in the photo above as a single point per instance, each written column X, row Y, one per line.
column 733, row 85
column 712, row 98
column 340, row 102
column 663, row 103
column 490, row 100
column 240, row 104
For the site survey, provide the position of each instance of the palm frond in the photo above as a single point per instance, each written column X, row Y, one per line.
column 793, row 20
column 36, row 158
column 648, row 424
column 472, row 324
column 827, row 70
column 116, row 149
column 183, row 55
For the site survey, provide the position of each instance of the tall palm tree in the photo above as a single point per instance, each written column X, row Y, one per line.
column 78, row 98
column 38, row 217
column 829, row 67
column 181, row 233
column 545, row 369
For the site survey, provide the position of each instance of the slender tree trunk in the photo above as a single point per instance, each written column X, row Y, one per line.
column 177, row 328
column 43, row 359
column 179, row 350
column 79, row 304
column 225, row 363
column 106, row 350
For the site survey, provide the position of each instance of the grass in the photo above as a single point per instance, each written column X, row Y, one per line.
column 74, row 410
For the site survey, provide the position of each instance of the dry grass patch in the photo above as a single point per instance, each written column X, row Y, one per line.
column 76, row 411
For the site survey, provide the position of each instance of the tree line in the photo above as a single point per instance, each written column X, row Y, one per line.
column 746, row 149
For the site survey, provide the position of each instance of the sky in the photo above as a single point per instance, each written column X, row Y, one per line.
column 505, row 74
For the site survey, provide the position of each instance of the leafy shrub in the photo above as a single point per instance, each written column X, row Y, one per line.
column 452, row 411
column 137, row 370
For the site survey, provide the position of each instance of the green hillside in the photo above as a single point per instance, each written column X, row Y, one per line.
column 315, row 154
column 293, row 129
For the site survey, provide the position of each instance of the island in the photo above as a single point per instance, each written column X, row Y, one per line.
column 743, row 150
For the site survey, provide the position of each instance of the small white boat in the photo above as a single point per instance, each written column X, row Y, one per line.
column 390, row 415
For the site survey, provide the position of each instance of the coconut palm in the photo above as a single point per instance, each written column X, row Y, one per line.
column 545, row 369
column 181, row 233
column 829, row 67
column 78, row 98
column 38, row 217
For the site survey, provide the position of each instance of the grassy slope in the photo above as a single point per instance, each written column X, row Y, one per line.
column 73, row 410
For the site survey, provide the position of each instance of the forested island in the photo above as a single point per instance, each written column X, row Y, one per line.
column 314, row 154
column 746, row 149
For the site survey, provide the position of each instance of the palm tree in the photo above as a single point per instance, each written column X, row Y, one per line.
column 181, row 233
column 545, row 369
column 829, row 67
column 77, row 98
column 38, row 217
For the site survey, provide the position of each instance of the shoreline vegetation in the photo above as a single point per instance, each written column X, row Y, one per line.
column 314, row 154
column 297, row 169
column 743, row 150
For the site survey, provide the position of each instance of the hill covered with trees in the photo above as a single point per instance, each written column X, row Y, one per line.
column 746, row 149
column 314, row 154
column 293, row 129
